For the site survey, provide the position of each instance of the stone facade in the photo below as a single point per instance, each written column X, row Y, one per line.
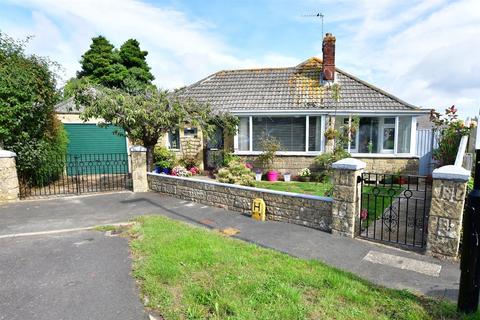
column 391, row 165
column 346, row 196
column 310, row 211
column 139, row 169
column 294, row 164
column 445, row 221
column 9, row 188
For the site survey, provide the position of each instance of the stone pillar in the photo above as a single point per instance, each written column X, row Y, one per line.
column 139, row 168
column 446, row 211
column 346, row 196
column 9, row 188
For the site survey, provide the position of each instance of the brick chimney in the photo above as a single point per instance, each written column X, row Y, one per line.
column 328, row 49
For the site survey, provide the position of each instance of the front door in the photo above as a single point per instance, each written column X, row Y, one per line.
column 214, row 150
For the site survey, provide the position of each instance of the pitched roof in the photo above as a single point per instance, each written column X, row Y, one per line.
column 68, row 106
column 289, row 89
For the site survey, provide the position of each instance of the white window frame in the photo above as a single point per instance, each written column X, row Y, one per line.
column 384, row 153
column 168, row 141
column 384, row 126
column 307, row 124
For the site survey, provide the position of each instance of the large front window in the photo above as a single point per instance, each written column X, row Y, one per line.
column 294, row 133
column 378, row 134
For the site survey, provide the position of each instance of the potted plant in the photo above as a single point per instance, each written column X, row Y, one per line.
column 304, row 175
column 286, row 177
column 258, row 175
column 164, row 160
column 270, row 146
column 330, row 133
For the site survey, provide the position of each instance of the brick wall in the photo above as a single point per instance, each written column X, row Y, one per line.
column 310, row 211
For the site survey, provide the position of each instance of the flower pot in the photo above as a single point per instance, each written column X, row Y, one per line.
column 304, row 179
column 286, row 177
column 166, row 170
column 258, row 176
column 272, row 176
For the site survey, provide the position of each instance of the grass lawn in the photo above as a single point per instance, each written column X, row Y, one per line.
column 188, row 272
column 376, row 205
column 313, row 188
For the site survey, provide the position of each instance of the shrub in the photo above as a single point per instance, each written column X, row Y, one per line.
column 325, row 160
column 229, row 157
column 269, row 146
column 237, row 173
column 164, row 158
column 450, row 131
column 28, row 125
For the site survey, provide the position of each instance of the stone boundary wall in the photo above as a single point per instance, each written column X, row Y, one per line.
column 305, row 210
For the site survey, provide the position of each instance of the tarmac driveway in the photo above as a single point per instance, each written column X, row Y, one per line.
column 76, row 275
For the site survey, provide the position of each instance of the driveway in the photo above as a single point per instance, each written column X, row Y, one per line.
column 88, row 273
column 76, row 275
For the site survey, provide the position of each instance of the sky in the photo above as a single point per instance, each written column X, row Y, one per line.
column 425, row 52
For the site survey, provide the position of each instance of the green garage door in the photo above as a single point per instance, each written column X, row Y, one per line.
column 95, row 149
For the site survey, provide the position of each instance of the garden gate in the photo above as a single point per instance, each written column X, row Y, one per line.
column 76, row 174
column 394, row 208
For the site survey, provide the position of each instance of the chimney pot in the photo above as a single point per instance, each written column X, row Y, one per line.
column 328, row 64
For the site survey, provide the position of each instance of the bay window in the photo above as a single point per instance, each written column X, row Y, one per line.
column 304, row 134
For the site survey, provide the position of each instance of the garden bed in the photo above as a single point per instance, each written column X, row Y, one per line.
column 187, row 272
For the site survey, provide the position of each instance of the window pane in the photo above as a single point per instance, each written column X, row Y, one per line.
column 243, row 134
column 404, row 134
column 389, row 120
column 289, row 131
column 388, row 138
column 174, row 139
column 368, row 135
column 341, row 125
column 314, row 133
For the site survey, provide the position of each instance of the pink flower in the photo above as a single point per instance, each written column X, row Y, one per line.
column 364, row 214
column 248, row 166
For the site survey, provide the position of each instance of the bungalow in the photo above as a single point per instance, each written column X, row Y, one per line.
column 295, row 105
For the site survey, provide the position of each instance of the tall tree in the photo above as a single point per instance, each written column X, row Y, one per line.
column 146, row 116
column 101, row 64
column 134, row 59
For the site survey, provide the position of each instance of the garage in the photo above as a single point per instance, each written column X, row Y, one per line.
column 95, row 150
column 92, row 139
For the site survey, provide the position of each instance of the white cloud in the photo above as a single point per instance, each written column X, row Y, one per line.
column 424, row 53
column 181, row 51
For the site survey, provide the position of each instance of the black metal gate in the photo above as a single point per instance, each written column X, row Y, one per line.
column 394, row 208
column 76, row 174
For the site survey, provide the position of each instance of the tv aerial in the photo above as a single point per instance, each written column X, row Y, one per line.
column 316, row 15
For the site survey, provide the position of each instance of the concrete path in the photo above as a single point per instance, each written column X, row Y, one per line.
column 381, row 264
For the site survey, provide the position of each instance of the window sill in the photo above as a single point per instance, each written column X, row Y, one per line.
column 383, row 155
column 280, row 153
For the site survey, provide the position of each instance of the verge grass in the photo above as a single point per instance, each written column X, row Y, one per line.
column 187, row 272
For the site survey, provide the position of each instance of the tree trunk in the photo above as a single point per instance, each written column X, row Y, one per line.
column 150, row 163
